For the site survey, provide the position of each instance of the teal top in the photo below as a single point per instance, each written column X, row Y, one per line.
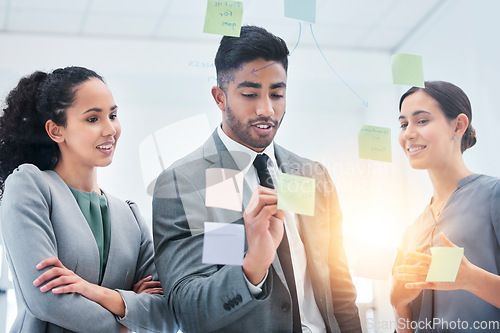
column 95, row 209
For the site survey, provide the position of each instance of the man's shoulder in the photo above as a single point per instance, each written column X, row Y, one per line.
column 289, row 160
column 284, row 153
column 190, row 166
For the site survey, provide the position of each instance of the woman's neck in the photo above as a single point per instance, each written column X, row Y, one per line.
column 78, row 176
column 445, row 178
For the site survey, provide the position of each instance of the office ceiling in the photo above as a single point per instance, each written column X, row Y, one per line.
column 349, row 24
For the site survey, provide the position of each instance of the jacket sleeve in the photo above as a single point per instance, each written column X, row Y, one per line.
column 203, row 297
column 145, row 312
column 495, row 210
column 343, row 290
column 29, row 238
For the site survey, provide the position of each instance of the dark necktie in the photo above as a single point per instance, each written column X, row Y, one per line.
column 260, row 164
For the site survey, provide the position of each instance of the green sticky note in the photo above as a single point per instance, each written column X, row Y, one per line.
column 223, row 18
column 301, row 9
column 296, row 194
column 407, row 69
column 444, row 264
column 375, row 143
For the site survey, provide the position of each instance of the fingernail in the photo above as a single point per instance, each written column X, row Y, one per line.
column 36, row 283
column 39, row 266
column 43, row 289
column 55, row 290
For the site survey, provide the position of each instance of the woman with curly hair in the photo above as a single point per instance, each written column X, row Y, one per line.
column 81, row 260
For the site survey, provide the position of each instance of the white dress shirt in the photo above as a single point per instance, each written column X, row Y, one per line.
column 309, row 312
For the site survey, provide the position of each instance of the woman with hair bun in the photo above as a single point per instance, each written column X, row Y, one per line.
column 464, row 211
column 81, row 260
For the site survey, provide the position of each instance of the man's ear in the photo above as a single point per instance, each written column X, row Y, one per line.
column 462, row 122
column 219, row 97
column 54, row 131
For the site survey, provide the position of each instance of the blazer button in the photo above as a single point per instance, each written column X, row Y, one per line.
column 231, row 303
column 239, row 298
column 227, row 307
column 285, row 306
column 235, row 301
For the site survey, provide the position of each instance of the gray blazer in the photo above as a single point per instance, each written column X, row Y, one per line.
column 208, row 298
column 40, row 218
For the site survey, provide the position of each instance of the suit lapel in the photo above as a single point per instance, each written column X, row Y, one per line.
column 81, row 228
column 216, row 153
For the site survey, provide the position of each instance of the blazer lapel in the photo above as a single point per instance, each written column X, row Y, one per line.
column 81, row 228
column 124, row 231
column 216, row 153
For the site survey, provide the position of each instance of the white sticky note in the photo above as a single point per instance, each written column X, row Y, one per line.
column 224, row 188
column 223, row 243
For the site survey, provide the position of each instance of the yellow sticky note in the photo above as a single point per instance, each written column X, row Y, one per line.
column 296, row 193
column 407, row 69
column 223, row 18
column 444, row 264
column 375, row 143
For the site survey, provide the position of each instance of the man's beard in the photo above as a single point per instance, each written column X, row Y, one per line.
column 242, row 130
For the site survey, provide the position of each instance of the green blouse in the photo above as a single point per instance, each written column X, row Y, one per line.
column 95, row 209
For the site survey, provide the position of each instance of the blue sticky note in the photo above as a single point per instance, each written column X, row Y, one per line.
column 304, row 10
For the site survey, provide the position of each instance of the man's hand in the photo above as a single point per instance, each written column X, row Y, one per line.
column 264, row 230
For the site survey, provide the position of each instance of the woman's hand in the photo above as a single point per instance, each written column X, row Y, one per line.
column 147, row 285
column 464, row 279
column 61, row 280
column 483, row 284
column 409, row 267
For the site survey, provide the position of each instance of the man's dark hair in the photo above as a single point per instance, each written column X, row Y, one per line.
column 253, row 43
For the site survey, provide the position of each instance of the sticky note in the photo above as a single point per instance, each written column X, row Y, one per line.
column 223, row 243
column 375, row 143
column 304, row 10
column 407, row 69
column 224, row 188
column 296, row 193
column 223, row 18
column 444, row 264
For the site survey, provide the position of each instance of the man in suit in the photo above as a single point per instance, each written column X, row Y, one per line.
column 294, row 276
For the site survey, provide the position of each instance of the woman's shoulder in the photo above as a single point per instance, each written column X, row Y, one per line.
column 487, row 183
column 25, row 174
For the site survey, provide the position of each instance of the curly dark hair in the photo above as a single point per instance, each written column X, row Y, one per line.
column 36, row 99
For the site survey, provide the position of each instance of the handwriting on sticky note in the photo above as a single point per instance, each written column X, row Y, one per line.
column 444, row 264
column 223, row 243
column 224, row 188
column 301, row 9
column 223, row 18
column 407, row 69
column 375, row 143
column 296, row 194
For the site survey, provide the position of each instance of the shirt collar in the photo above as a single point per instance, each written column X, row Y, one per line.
column 242, row 163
